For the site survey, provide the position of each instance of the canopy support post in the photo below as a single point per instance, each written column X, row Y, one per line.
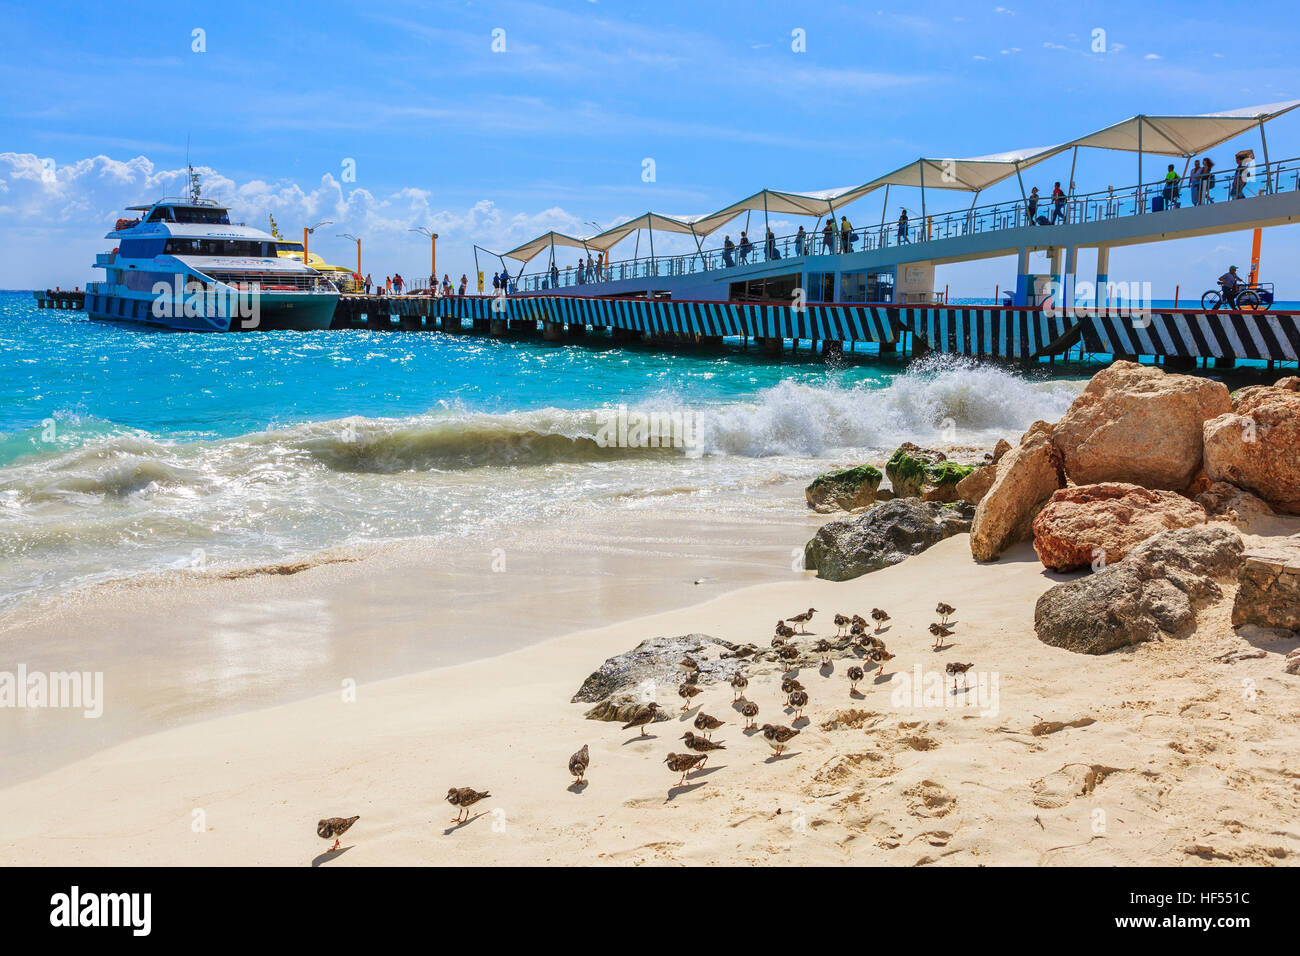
column 1268, row 173
column 884, row 207
column 925, row 231
column 767, row 229
column 1141, row 205
column 1024, row 199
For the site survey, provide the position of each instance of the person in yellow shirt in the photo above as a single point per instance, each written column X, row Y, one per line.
column 846, row 234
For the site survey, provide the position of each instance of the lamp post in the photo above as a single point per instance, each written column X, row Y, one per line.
column 357, row 239
column 307, row 231
column 433, row 254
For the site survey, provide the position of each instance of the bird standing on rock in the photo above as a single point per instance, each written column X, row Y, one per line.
column 784, row 631
column 688, row 664
column 463, row 798
column 642, row 716
column 685, row 763
column 855, row 675
column 334, row 827
column 788, row 686
column 700, row 744
column 778, row 736
column 841, row 622
column 749, row 710
column 707, row 724
column 578, row 763
column 802, row 619
column 824, row 649
column 788, row 653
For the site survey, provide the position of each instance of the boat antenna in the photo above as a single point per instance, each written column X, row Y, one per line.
column 195, row 188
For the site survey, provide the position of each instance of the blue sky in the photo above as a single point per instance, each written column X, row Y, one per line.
column 494, row 147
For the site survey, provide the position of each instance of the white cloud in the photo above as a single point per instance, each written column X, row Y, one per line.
column 1152, row 56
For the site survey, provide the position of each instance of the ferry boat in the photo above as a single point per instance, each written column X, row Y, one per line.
column 182, row 264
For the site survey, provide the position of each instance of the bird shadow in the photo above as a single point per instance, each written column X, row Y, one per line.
column 681, row 789
column 857, row 694
column 737, row 704
column 689, row 712
column 781, row 756
column 800, row 721
column 463, row 823
column 634, row 739
column 941, row 646
column 327, row 856
column 827, row 669
column 578, row 786
column 708, row 770
column 750, row 731
column 964, row 690
column 885, row 630
column 883, row 678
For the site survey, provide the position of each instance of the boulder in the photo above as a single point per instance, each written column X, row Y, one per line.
column 1269, row 595
column 1082, row 524
column 1026, row 477
column 1152, row 594
column 1001, row 448
column 1134, row 423
column 907, row 468
column 942, row 480
column 649, row 671
column 1226, row 502
column 844, row 490
column 884, row 536
column 1255, row 446
column 976, row 485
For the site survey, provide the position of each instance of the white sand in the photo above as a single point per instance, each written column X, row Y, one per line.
column 1184, row 762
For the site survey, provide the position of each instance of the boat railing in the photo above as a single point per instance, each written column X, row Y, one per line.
column 1223, row 185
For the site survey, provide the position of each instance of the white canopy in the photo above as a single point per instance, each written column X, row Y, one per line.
column 782, row 202
column 1182, row 135
column 649, row 220
column 533, row 246
column 970, row 175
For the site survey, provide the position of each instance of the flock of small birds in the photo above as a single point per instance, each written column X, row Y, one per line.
column 700, row 745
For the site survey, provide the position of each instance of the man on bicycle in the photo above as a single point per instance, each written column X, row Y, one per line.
column 1230, row 282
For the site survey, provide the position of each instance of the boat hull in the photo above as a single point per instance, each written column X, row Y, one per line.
column 303, row 312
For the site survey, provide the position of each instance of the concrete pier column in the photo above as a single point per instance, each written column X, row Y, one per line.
column 888, row 348
column 832, row 348
column 577, row 330
column 484, row 325
column 1023, row 292
column 497, row 328
column 1068, row 271
column 1103, row 277
column 1054, row 257
column 771, row 346
column 553, row 331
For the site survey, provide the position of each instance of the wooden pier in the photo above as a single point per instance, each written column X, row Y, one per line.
column 60, row 299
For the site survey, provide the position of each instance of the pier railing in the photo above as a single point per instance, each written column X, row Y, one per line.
column 1223, row 185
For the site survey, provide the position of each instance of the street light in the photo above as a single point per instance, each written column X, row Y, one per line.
column 433, row 254
column 357, row 240
column 307, row 231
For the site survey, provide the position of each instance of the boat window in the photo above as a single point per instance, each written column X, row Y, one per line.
column 765, row 289
column 213, row 217
column 219, row 247
column 821, row 287
column 162, row 214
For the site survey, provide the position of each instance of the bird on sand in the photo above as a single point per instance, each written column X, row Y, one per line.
column 954, row 669
column 802, row 619
column 789, row 685
column 685, row 763
column 855, row 675
column 464, row 798
column 879, row 616
column 841, row 622
column 738, row 684
column 824, row 649
column 749, row 710
column 686, row 691
column 798, row 700
column 778, row 736
column 944, row 611
column 642, row 716
column 940, row 631
column 699, row 744
column 688, row 664
column 880, row 656
column 784, row 631
column 578, row 763
column 707, row 724
column 334, row 827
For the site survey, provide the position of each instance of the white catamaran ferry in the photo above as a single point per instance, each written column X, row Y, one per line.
column 182, row 264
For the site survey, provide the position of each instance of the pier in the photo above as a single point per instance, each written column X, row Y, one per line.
column 60, row 299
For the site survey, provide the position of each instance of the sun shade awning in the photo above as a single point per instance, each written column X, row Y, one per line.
column 543, row 242
column 650, row 220
column 973, row 174
column 1182, row 135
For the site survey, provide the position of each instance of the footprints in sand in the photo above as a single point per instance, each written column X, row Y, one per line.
column 1073, row 780
column 930, row 799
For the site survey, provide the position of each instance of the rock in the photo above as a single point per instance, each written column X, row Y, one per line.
column 1136, row 424
column 1083, row 523
column 1229, row 503
column 1255, row 445
column 1001, row 448
column 1027, row 476
column 844, row 490
column 1153, row 593
column 1269, row 595
column 906, row 468
column 645, row 671
column 976, row 485
column 941, row 481
column 884, row 536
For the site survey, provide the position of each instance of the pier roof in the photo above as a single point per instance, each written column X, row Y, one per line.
column 1182, row 135
column 973, row 174
column 545, row 241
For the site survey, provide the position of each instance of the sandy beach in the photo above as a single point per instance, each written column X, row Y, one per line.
column 1157, row 754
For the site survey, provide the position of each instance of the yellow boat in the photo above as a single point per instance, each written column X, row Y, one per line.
column 341, row 276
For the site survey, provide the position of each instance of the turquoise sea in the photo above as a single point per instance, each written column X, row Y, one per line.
column 124, row 450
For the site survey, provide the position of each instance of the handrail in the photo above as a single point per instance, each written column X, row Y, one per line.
column 1097, row 206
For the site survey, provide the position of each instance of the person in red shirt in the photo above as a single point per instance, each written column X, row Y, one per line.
column 1058, row 204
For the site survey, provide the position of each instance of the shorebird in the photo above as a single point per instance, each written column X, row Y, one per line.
column 749, row 710
column 783, row 631
column 802, row 619
column 824, row 649
column 858, row 621
column 699, row 744
column 463, row 798
column 841, row 622
column 738, row 684
column 578, row 763
column 880, row 656
column 334, row 827
column 855, row 675
column 788, row 652
column 642, row 716
column 686, row 691
column 685, row 763
column 778, row 736
column 798, row 700
column 706, row 723
column 688, row 664
column 944, row 611
column 879, row 616
column 954, row 669
column 789, row 685
column 940, row 631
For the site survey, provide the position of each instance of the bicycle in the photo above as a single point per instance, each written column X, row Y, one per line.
column 1250, row 298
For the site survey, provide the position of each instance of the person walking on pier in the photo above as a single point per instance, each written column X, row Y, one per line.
column 397, row 282
column 728, row 252
column 582, row 272
column 1058, row 204
column 800, row 238
column 496, row 283
column 1207, row 180
column 1194, row 181
column 388, row 285
column 846, row 234
column 771, row 247
column 555, row 276
column 369, row 283
column 745, row 247
column 902, row 227
column 464, row 284
column 1033, row 207
column 828, row 237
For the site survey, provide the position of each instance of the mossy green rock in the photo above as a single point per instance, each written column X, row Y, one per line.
column 908, row 468
column 846, row 489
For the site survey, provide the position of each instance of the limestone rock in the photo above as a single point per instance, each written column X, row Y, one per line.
column 1229, row 503
column 653, row 664
column 884, row 536
column 907, row 467
column 1026, row 477
column 1257, row 445
column 1269, row 595
column 1082, row 523
column 1134, row 423
column 976, row 485
column 1152, row 594
column 844, row 490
